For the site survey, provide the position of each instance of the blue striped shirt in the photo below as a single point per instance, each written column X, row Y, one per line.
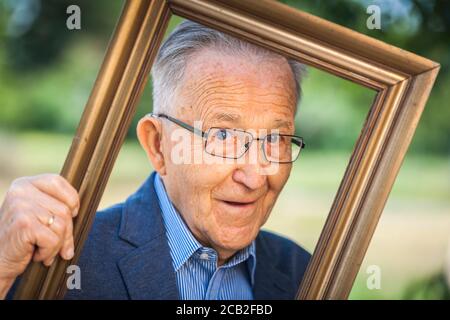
column 197, row 274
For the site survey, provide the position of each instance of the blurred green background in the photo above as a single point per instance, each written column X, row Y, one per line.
column 47, row 72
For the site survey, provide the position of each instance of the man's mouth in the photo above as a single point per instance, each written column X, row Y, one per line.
column 236, row 203
column 239, row 206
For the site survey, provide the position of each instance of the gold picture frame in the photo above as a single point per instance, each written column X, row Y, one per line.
column 401, row 79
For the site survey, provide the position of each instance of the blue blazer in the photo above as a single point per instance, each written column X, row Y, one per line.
column 126, row 256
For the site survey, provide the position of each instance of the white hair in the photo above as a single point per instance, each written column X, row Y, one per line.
column 190, row 37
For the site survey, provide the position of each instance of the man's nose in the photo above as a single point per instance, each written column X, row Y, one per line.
column 250, row 176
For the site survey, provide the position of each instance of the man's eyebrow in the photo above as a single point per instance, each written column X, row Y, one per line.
column 281, row 123
column 235, row 118
column 228, row 117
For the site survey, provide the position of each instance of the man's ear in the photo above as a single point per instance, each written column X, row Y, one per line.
column 149, row 133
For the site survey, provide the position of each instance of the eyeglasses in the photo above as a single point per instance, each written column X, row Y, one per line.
column 234, row 143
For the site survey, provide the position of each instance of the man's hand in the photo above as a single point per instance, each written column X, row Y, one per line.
column 35, row 223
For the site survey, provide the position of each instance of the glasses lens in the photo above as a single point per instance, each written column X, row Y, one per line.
column 282, row 148
column 227, row 143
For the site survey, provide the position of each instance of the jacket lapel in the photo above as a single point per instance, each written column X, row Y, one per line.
column 147, row 270
column 270, row 282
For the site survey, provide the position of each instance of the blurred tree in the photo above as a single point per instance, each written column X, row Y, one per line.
column 434, row 287
column 36, row 32
column 47, row 70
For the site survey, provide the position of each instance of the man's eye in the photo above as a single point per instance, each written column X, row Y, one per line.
column 222, row 134
column 273, row 138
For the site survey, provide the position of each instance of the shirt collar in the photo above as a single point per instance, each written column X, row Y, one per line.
column 183, row 244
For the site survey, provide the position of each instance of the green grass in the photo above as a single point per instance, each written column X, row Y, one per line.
column 410, row 243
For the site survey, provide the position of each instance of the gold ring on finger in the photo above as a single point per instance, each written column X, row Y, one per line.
column 51, row 220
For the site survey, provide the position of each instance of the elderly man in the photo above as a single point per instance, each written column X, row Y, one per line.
column 192, row 230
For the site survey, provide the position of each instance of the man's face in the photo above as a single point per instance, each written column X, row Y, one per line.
column 225, row 204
